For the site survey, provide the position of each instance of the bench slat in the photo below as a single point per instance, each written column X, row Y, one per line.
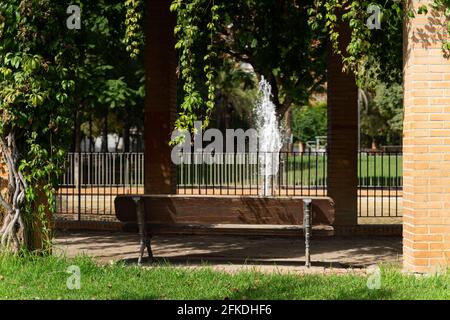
column 231, row 229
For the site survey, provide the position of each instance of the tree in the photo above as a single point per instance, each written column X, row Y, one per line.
column 274, row 37
column 309, row 122
column 382, row 114
column 109, row 80
column 380, row 82
column 236, row 95
column 256, row 27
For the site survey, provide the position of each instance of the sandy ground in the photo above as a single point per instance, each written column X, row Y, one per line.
column 232, row 253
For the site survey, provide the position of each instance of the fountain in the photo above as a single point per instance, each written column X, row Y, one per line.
column 269, row 137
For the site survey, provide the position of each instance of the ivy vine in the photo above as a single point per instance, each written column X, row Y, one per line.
column 354, row 13
column 195, row 37
column 134, row 35
column 196, row 50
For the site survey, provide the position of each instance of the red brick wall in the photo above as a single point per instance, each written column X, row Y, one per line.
column 160, row 109
column 426, row 195
column 342, row 137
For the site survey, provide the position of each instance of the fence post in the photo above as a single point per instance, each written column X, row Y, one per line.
column 77, row 180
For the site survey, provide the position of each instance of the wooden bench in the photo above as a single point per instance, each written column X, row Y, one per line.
column 239, row 215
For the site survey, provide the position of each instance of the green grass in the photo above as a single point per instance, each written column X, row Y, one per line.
column 45, row 278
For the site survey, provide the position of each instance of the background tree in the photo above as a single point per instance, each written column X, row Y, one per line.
column 109, row 80
column 380, row 81
column 309, row 122
column 236, row 93
column 274, row 37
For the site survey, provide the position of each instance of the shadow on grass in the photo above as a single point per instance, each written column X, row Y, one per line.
column 267, row 292
column 211, row 261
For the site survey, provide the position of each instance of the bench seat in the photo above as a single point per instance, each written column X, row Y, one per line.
column 225, row 215
column 229, row 229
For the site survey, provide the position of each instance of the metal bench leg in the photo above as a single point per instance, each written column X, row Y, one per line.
column 307, row 230
column 148, row 244
column 144, row 241
column 141, row 252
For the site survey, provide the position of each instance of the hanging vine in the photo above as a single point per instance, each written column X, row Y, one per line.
column 336, row 13
column 196, row 56
column 134, row 35
column 355, row 14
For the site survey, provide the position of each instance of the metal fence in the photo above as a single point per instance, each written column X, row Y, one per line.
column 289, row 173
column 380, row 191
column 92, row 180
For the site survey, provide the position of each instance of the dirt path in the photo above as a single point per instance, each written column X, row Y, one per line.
column 336, row 255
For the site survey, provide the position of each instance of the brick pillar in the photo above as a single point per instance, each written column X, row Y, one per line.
column 160, row 104
column 426, row 145
column 342, row 137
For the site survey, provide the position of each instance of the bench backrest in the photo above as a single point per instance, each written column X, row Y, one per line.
column 169, row 209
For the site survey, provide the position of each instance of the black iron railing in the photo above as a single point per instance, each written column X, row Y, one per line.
column 380, row 184
column 92, row 180
column 262, row 173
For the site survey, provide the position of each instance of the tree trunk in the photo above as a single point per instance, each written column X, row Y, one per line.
column 13, row 230
column 77, row 137
column 287, row 126
column 105, row 132
column 41, row 230
column 374, row 144
column 91, row 138
column 126, row 136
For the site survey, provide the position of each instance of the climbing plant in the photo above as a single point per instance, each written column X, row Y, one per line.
column 195, row 39
column 271, row 37
column 35, row 84
column 48, row 75
column 356, row 15
column 134, row 35
column 195, row 35
column 364, row 41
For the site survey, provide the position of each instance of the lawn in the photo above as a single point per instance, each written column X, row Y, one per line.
column 45, row 278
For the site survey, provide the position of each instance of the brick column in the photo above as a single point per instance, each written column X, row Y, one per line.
column 426, row 144
column 160, row 104
column 342, row 137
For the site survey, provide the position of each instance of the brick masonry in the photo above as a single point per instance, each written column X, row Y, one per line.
column 426, row 144
column 160, row 108
column 342, row 96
